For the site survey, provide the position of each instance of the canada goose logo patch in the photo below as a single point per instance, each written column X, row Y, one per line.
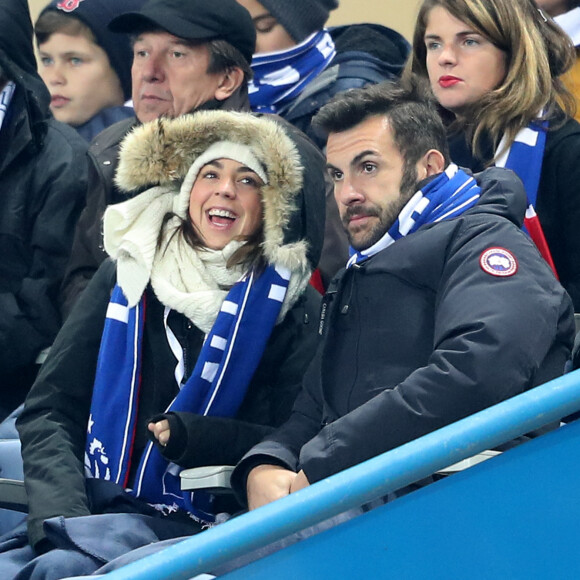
column 68, row 5
column 498, row 262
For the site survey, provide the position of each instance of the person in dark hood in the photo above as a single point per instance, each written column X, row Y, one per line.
column 43, row 181
column 210, row 281
column 300, row 64
column 187, row 55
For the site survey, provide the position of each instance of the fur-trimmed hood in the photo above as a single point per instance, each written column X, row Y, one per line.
column 160, row 153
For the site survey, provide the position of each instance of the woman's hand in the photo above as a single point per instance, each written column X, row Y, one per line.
column 160, row 431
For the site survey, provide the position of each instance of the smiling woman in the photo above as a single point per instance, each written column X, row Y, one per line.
column 197, row 334
column 235, row 194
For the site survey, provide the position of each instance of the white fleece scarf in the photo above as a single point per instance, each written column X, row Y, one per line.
column 194, row 283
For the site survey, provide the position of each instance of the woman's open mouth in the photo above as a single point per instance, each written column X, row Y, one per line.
column 221, row 218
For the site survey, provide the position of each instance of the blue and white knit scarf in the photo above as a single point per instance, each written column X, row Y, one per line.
column 445, row 197
column 217, row 386
column 524, row 157
column 280, row 76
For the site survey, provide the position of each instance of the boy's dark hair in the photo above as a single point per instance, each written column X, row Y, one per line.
column 409, row 106
column 52, row 22
column 90, row 18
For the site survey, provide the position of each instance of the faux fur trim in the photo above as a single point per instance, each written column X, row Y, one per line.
column 161, row 153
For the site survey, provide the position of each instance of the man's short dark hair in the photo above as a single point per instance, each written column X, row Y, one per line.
column 409, row 106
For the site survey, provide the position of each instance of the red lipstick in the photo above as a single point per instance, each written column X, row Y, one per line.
column 448, row 81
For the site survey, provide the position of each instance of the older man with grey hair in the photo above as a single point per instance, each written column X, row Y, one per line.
column 187, row 55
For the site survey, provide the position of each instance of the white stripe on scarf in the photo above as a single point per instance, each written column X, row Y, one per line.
column 279, row 77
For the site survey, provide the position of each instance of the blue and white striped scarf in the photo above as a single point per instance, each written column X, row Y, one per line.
column 217, row 386
column 281, row 76
column 524, row 157
column 445, row 197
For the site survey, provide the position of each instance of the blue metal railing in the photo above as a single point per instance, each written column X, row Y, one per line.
column 362, row 483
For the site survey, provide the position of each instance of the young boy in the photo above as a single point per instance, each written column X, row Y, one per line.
column 86, row 68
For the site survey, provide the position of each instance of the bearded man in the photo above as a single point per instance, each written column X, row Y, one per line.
column 445, row 307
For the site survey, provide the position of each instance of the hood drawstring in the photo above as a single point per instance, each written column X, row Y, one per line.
column 346, row 304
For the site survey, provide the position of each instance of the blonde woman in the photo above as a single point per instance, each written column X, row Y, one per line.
column 493, row 66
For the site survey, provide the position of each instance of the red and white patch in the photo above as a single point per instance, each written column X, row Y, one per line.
column 498, row 262
column 68, row 5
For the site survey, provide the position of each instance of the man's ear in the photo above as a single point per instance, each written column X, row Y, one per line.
column 431, row 163
column 230, row 81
